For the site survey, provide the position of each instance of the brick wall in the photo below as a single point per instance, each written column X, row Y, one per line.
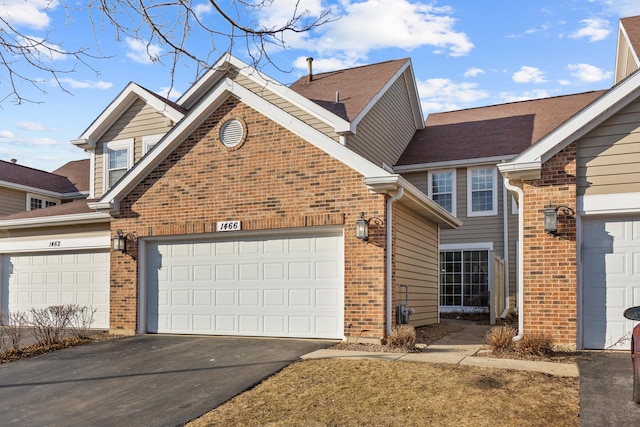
column 550, row 281
column 274, row 180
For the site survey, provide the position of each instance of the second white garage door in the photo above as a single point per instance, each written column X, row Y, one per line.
column 289, row 286
column 611, row 280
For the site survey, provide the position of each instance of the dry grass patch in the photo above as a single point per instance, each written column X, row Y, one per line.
column 378, row 393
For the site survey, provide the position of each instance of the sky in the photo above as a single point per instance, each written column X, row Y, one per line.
column 465, row 54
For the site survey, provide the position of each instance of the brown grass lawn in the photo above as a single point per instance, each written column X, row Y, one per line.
column 336, row 392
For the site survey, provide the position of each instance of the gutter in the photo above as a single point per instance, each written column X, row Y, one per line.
column 389, row 260
column 520, row 278
column 57, row 220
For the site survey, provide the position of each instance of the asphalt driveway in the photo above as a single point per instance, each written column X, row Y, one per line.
column 145, row 380
column 606, row 385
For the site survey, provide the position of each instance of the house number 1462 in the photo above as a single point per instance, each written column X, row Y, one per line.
column 229, row 226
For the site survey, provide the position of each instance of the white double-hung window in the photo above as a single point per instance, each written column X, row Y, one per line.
column 482, row 191
column 442, row 186
column 118, row 159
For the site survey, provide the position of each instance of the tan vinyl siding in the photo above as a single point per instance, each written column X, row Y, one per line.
column 281, row 103
column 138, row 121
column 387, row 128
column 608, row 158
column 481, row 229
column 12, row 201
column 416, row 264
column 625, row 62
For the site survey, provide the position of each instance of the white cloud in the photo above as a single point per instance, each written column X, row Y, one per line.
column 325, row 64
column 473, row 72
column 589, row 73
column 622, row 8
column 594, row 29
column 528, row 74
column 541, row 29
column 524, row 96
column 564, row 82
column 32, row 13
column 31, row 126
column 445, row 95
column 370, row 25
column 86, row 84
column 169, row 92
column 39, row 47
column 202, row 9
column 6, row 134
column 143, row 52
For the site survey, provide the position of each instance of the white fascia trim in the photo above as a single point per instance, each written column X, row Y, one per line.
column 603, row 204
column 389, row 184
column 622, row 33
column 467, row 246
column 210, row 103
column 72, row 219
column 123, row 101
column 424, row 167
column 521, row 171
column 583, row 122
column 217, row 72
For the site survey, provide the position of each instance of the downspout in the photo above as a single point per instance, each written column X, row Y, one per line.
column 505, row 245
column 520, row 279
column 389, row 259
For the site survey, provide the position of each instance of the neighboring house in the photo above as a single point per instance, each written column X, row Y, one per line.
column 239, row 204
column 26, row 189
column 453, row 160
column 576, row 281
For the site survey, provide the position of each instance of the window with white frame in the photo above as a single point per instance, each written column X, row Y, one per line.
column 38, row 202
column 464, row 278
column 149, row 141
column 482, row 192
column 118, row 159
column 442, row 186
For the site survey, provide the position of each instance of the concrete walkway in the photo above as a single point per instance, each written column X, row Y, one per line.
column 458, row 348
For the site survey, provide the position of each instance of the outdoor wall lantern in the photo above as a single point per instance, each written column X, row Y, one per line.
column 120, row 241
column 362, row 228
column 551, row 217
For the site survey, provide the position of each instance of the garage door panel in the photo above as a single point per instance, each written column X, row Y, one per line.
column 45, row 279
column 284, row 286
column 610, row 269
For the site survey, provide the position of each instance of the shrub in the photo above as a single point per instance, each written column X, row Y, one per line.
column 15, row 325
column 49, row 323
column 404, row 337
column 81, row 321
column 536, row 344
column 500, row 339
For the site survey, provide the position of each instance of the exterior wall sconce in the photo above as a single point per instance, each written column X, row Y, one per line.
column 362, row 226
column 120, row 241
column 551, row 217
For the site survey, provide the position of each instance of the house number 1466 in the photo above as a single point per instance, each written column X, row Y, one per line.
column 229, row 226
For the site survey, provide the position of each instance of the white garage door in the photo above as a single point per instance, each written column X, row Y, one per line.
column 57, row 278
column 611, row 280
column 270, row 286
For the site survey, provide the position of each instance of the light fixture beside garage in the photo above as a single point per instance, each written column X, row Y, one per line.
column 551, row 217
column 120, row 241
column 362, row 226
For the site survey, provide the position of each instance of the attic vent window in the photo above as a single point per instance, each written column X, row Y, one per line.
column 232, row 133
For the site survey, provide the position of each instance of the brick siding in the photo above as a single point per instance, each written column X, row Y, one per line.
column 550, row 281
column 274, row 180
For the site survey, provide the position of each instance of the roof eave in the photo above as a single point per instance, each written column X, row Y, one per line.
column 58, row 220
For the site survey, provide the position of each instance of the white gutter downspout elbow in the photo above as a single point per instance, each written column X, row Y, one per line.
column 520, row 278
column 389, row 259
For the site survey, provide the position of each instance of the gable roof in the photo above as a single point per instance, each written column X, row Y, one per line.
column 527, row 164
column 214, row 89
column 77, row 172
column 72, row 213
column 119, row 105
column 489, row 133
column 24, row 178
column 350, row 93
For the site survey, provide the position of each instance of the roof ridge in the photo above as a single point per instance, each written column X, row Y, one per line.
column 27, row 167
column 361, row 66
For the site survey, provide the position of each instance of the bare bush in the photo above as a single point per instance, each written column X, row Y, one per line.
column 15, row 326
column 49, row 324
column 404, row 337
column 500, row 339
column 536, row 344
column 81, row 321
